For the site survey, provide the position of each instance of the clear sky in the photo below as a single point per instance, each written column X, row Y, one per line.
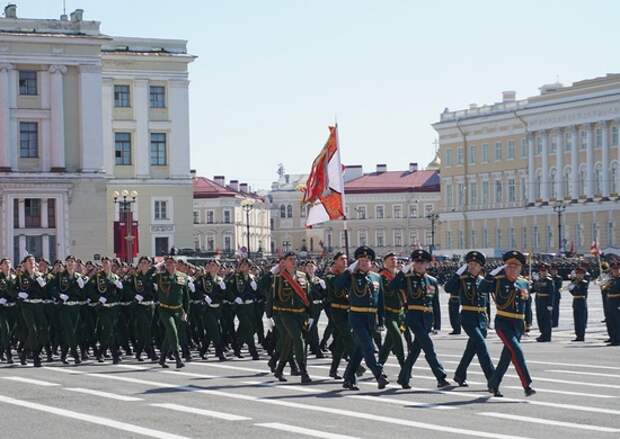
column 272, row 74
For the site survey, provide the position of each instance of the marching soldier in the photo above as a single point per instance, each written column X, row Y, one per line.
column 544, row 287
column 557, row 283
column 317, row 292
column 173, row 296
column 421, row 288
column 393, row 311
column 510, row 292
column 454, row 304
column 7, row 308
column 578, row 288
column 466, row 283
column 213, row 288
column 612, row 291
column 365, row 312
column 242, row 290
column 140, row 285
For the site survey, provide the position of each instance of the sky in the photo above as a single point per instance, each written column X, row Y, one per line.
column 271, row 75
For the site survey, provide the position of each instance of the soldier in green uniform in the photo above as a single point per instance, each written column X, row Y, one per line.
column 394, row 316
column 544, row 288
column 290, row 302
column 318, row 290
column 557, row 296
column 365, row 313
column 466, row 283
column 140, row 288
column 510, row 292
column 87, row 333
column 242, row 290
column 213, row 290
column 51, row 307
column 578, row 288
column 612, row 290
column 68, row 288
column 105, row 288
column 173, row 295
column 7, row 308
column 32, row 292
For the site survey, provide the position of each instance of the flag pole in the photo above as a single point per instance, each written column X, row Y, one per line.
column 344, row 201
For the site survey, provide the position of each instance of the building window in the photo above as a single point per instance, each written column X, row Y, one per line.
column 461, row 239
column 362, row 236
column 598, row 179
column 485, row 153
column 51, row 213
column 595, row 232
column 614, row 135
column 197, row 242
column 209, row 217
column 578, row 235
column 461, row 194
column 161, row 210
column 397, row 209
column 361, row 212
column 568, row 141
column 551, row 184
column 398, row 238
column 549, row 236
column 498, row 238
column 511, row 238
column 32, row 212
column 449, row 239
column 228, row 243
column 448, row 157
column 227, row 216
column 157, row 95
column 121, row 96
column 413, row 239
column 379, row 212
column 459, row 155
column 538, row 188
column 27, row 83
column 536, row 238
column 512, row 192
column 196, row 217
column 498, row 191
column 429, row 238
column 122, row 148
column 449, row 195
column 473, row 195
column 210, row 243
column 28, row 140
column 582, row 182
column 413, row 209
column 613, row 177
column 289, row 211
column 524, row 237
column 598, row 137
column 584, row 140
column 498, row 151
column 511, row 150
column 472, row 154
column 380, row 238
column 485, row 237
column 158, row 149
column 283, row 211
column 485, row 193
column 523, row 189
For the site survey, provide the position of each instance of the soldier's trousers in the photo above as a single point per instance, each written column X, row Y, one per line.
column 436, row 313
column 606, row 314
column 69, row 323
column 259, row 311
column 363, row 328
column 510, row 331
column 614, row 319
column 393, row 340
column 37, row 326
column 454, row 305
column 528, row 314
column 555, row 314
column 543, row 317
column 143, row 327
column 246, row 329
column 343, row 342
column 329, row 329
column 197, row 322
column 476, row 345
column 124, row 327
column 213, row 331
column 52, row 315
column 171, row 322
column 88, row 327
column 107, row 317
column 228, row 323
column 420, row 323
column 580, row 317
column 7, row 325
column 313, row 335
column 291, row 333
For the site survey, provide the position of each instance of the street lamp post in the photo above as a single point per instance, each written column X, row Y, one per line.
column 125, row 199
column 248, row 205
column 559, row 207
column 433, row 217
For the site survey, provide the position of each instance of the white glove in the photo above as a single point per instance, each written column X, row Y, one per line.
column 139, row 297
column 238, row 301
column 2, row 301
column 191, row 286
column 63, row 297
column 155, row 287
column 102, row 300
column 407, row 268
column 275, row 269
column 253, row 285
column 535, row 276
column 208, row 300
column 22, row 295
column 270, row 324
column 118, row 284
column 462, row 270
column 571, row 287
column 41, row 282
column 497, row 270
column 80, row 282
column 353, row 267
column 310, row 322
column 322, row 284
column 222, row 285
column 549, row 308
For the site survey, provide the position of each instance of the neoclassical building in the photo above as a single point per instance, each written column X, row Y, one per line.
column 83, row 115
column 508, row 168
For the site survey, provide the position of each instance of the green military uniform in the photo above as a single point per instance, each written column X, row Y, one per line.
column 339, row 304
column 7, row 313
column 172, row 292
column 242, row 290
column 32, row 292
column 140, row 287
column 68, row 289
column 213, row 290
column 394, row 320
column 318, row 291
column 544, row 287
column 611, row 289
column 106, row 289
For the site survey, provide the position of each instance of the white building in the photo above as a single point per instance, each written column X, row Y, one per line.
column 83, row 114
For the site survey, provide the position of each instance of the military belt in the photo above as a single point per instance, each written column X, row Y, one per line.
column 147, row 303
column 9, row 304
column 420, row 308
column 340, row 306
column 510, row 315
column 214, row 305
column 613, row 296
column 248, row 302
column 366, row 309
column 317, row 302
column 110, row 305
column 173, row 307
column 73, row 303
column 542, row 295
column 33, row 301
column 393, row 310
column 283, row 309
column 473, row 308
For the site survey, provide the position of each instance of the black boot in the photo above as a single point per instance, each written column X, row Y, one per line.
column 36, row 359
column 305, row 378
column 272, row 363
column 116, row 358
column 220, row 354
column 9, row 356
column 279, row 373
column 22, row 357
column 162, row 360
column 99, row 355
column 74, row 354
column 84, row 352
column 254, row 354
column 63, row 356
column 294, row 369
column 187, row 355
column 333, row 372
column 139, row 355
column 177, row 357
column 152, row 355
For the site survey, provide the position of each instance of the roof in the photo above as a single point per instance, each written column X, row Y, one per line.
column 394, row 181
column 206, row 188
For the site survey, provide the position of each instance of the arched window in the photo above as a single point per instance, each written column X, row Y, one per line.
column 552, row 189
column 598, row 179
column 538, row 187
column 613, row 178
column 567, row 182
column 289, row 211
column 283, row 211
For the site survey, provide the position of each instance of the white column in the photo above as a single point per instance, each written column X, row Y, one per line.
column 44, row 223
column 21, row 213
column 589, row 163
column 141, row 136
column 91, row 119
column 559, row 164
column 13, row 126
column 44, row 145
column 57, row 117
column 178, row 142
column 5, row 116
column 22, row 248
column 530, row 169
column 605, row 158
column 574, row 163
column 545, row 167
column 108, row 134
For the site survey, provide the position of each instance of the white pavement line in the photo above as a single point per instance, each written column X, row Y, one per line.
column 310, row 407
column 592, row 374
column 103, row 394
column 401, row 402
column 31, row 381
column 106, row 422
column 305, row 431
column 550, row 422
column 201, row 412
column 560, row 392
column 64, row 370
column 547, row 363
